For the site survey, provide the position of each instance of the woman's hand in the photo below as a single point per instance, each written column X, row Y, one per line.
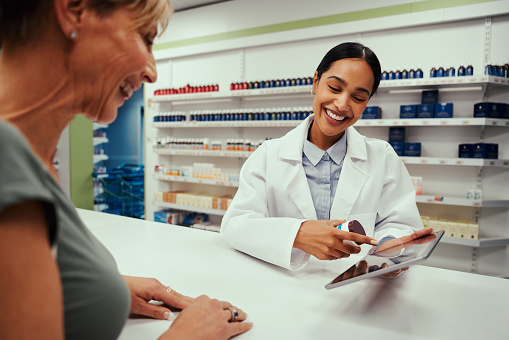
column 144, row 290
column 321, row 239
column 209, row 319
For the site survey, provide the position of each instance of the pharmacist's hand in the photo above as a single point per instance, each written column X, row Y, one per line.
column 207, row 318
column 421, row 236
column 321, row 239
column 144, row 290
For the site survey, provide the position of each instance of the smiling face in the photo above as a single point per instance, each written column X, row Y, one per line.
column 110, row 60
column 341, row 95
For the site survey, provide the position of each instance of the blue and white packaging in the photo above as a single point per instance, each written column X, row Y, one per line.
column 429, row 97
column 489, row 110
column 407, row 111
column 396, row 134
column 465, row 151
column 399, row 147
column 412, row 150
column 485, row 150
column 425, row 111
column 443, row 110
column 372, row 112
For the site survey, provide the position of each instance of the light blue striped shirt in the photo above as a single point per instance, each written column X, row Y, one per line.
column 322, row 170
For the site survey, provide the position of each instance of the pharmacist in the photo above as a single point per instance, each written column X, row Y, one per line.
column 296, row 190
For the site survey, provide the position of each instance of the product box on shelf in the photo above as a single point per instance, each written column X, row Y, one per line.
column 168, row 216
column 505, row 111
column 417, row 182
column 396, row 134
column 465, row 151
column 407, row 111
column 412, row 150
column 425, row 111
column 429, row 97
column 372, row 112
column 485, row 150
column 399, row 147
column 443, row 110
column 489, row 110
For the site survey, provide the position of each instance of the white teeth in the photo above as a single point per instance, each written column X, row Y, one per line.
column 334, row 116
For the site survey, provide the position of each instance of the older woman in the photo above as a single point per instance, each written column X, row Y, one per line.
column 61, row 58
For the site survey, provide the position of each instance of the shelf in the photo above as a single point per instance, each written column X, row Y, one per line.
column 433, row 83
column 212, row 96
column 196, row 180
column 490, row 242
column 433, row 122
column 98, row 126
column 217, row 212
column 239, row 123
column 100, row 140
column 462, row 202
column 455, row 161
column 235, row 154
column 100, row 158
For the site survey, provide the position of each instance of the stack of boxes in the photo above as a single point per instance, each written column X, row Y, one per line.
column 453, row 228
column 194, row 199
column 402, row 148
column 429, row 107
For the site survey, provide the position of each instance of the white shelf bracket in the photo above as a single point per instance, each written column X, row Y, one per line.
column 242, row 64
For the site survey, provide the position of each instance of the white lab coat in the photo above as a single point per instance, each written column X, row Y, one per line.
column 274, row 198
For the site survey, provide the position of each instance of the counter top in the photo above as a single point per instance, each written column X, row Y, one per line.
column 424, row 303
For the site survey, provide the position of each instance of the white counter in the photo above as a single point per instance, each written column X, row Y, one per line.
column 424, row 303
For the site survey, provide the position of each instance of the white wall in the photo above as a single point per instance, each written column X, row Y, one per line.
column 437, row 37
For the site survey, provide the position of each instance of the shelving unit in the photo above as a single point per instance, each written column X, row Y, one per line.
column 445, row 165
column 98, row 159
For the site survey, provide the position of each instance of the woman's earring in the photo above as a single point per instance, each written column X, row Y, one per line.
column 73, row 35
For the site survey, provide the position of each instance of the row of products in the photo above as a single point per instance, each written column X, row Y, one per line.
column 453, row 228
column 186, row 219
column 198, row 170
column 491, row 110
column 171, row 143
column 404, row 74
column 98, row 133
column 296, row 113
column 402, row 148
column 187, row 89
column 497, row 70
column 479, row 150
column 265, row 84
column 193, row 199
column 451, row 71
column 98, row 151
column 439, row 110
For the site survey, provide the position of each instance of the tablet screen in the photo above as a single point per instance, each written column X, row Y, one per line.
column 389, row 260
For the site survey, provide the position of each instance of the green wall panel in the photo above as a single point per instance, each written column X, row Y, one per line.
column 81, row 145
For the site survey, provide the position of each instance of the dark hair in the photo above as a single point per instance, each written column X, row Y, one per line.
column 352, row 50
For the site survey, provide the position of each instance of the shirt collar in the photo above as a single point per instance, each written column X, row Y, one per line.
column 336, row 152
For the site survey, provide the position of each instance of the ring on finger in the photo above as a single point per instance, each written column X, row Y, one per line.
column 235, row 314
column 168, row 289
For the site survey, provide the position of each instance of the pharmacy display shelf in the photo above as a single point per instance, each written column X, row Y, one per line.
column 99, row 158
column 100, row 140
column 482, row 243
column 195, row 180
column 464, row 202
column 304, row 90
column 433, row 122
column 456, row 161
column 221, row 124
column 479, row 82
column 208, row 153
column 359, row 123
column 217, row 212
column 97, row 126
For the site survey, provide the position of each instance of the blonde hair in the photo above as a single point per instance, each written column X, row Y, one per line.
column 21, row 20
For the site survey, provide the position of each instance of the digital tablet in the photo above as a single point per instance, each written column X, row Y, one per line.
column 378, row 264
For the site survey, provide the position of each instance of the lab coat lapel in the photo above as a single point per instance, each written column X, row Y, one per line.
column 352, row 178
column 298, row 188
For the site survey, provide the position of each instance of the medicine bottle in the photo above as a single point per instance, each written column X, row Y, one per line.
column 461, row 71
column 440, row 72
column 470, row 70
column 433, row 72
column 418, row 73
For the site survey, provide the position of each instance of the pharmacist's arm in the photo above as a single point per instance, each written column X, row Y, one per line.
column 247, row 226
column 398, row 215
column 30, row 291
